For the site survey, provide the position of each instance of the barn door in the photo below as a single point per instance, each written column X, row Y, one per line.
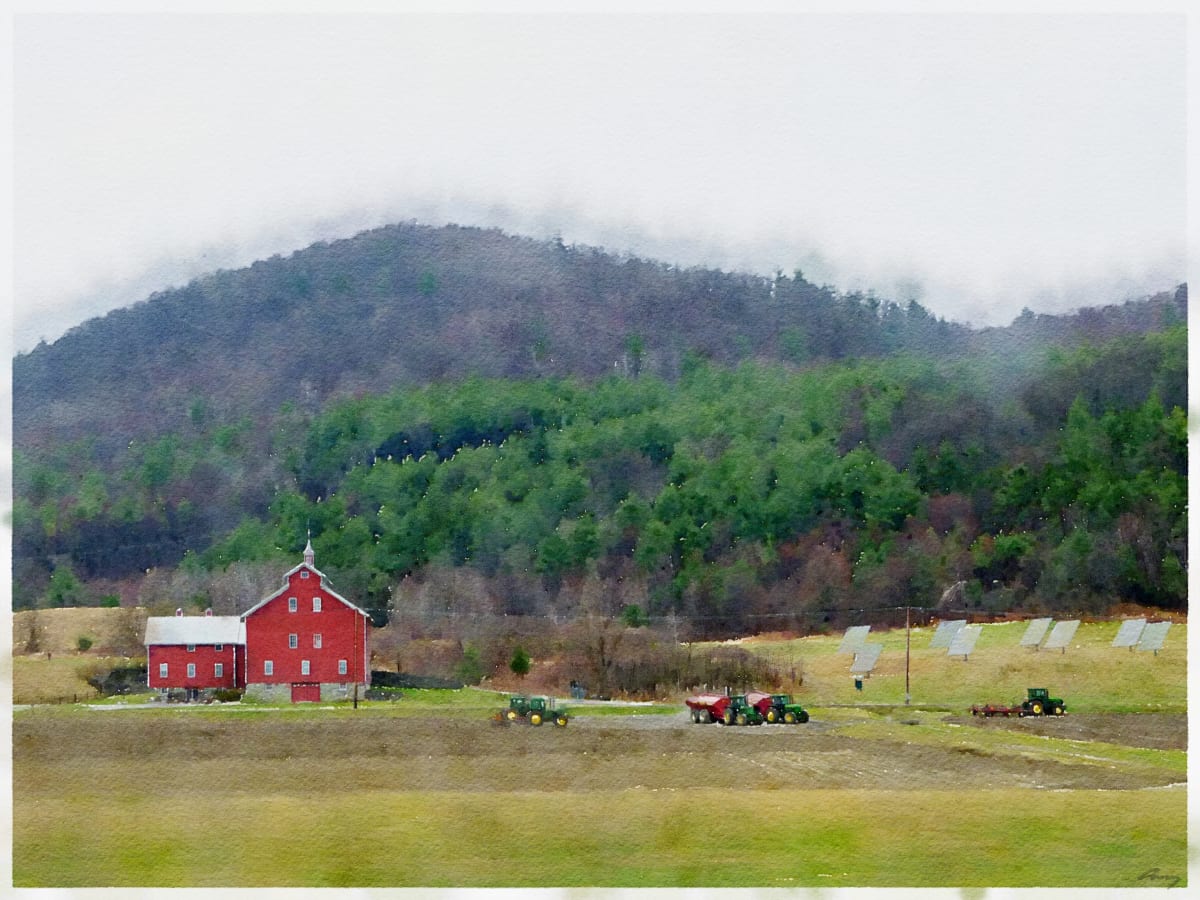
column 306, row 693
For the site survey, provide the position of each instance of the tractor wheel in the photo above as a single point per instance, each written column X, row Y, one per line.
column 535, row 718
column 772, row 716
column 741, row 718
column 512, row 715
column 560, row 721
column 789, row 717
column 1036, row 709
column 728, row 717
column 1058, row 710
column 802, row 717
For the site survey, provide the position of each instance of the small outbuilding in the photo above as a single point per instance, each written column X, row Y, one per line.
column 195, row 654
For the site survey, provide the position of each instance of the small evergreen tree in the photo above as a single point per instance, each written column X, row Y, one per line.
column 519, row 663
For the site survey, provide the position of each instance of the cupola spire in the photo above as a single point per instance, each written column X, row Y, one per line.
column 309, row 556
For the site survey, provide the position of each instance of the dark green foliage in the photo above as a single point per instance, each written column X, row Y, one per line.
column 119, row 680
column 520, row 663
column 83, row 644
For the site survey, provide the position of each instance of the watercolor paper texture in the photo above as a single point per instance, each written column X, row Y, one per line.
column 428, row 423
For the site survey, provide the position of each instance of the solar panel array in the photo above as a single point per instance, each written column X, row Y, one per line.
column 964, row 640
column 1061, row 635
column 946, row 631
column 865, row 658
column 1154, row 635
column 1129, row 633
column 854, row 638
column 1035, row 632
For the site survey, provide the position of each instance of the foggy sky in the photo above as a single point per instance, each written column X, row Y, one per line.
column 979, row 163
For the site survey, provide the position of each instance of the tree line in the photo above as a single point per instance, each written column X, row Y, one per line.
column 733, row 498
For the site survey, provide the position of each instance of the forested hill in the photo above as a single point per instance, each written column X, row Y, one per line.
column 410, row 305
column 473, row 424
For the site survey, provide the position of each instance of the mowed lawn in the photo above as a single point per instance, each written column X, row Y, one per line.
column 635, row 838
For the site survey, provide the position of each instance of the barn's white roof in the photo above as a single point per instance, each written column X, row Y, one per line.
column 195, row 630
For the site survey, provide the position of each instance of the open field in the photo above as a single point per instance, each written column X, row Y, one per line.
column 342, row 797
column 425, row 791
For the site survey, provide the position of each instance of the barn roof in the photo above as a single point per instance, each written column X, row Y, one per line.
column 309, row 559
column 195, row 630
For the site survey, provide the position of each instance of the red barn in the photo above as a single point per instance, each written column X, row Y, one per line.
column 306, row 642
column 195, row 653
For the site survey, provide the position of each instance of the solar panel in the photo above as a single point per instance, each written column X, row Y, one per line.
column 946, row 631
column 1129, row 633
column 865, row 658
column 1061, row 635
column 1154, row 635
column 1035, row 632
column 854, row 638
column 964, row 640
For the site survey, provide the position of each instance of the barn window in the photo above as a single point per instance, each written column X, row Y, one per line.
column 191, row 648
column 316, row 604
column 304, row 667
column 219, row 647
column 316, row 642
column 293, row 641
column 291, row 604
column 191, row 670
column 268, row 667
column 218, row 670
column 304, row 573
column 162, row 670
column 341, row 667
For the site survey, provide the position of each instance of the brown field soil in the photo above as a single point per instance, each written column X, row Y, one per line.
column 1160, row 731
column 263, row 752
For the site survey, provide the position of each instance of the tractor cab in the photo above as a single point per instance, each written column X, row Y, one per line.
column 783, row 709
column 741, row 712
column 1040, row 703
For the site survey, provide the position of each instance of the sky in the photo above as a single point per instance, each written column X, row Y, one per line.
column 978, row 163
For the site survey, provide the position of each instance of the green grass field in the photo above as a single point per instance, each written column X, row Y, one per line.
column 424, row 792
column 625, row 838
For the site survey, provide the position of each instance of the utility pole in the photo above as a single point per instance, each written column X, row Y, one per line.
column 907, row 651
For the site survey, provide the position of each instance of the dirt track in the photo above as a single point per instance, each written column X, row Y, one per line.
column 266, row 753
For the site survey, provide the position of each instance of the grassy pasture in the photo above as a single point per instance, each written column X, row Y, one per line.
column 1092, row 675
column 425, row 792
column 622, row 838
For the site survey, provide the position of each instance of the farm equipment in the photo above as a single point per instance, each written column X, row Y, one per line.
column 1037, row 703
column 777, row 707
column 729, row 710
column 531, row 711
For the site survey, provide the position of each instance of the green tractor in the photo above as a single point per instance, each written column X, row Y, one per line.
column 532, row 711
column 777, row 708
column 1040, row 703
column 741, row 711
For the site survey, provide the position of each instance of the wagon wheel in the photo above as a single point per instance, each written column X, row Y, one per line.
column 705, row 717
column 789, row 717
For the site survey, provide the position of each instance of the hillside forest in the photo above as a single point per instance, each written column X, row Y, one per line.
column 787, row 458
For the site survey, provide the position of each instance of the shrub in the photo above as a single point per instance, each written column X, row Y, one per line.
column 84, row 643
column 227, row 695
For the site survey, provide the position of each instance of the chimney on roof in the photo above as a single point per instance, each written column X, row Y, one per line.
column 179, row 612
column 208, row 612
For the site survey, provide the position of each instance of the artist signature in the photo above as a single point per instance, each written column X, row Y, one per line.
column 1156, row 877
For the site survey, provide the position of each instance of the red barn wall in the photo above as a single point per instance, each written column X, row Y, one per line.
column 344, row 636
column 204, row 656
